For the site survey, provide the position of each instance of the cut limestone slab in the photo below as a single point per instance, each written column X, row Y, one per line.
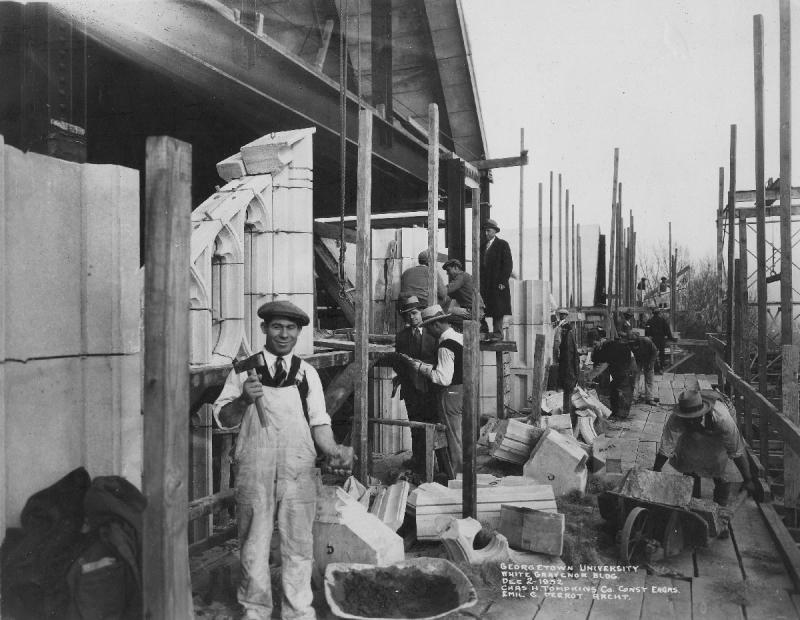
column 532, row 530
column 345, row 532
column 559, row 461
column 656, row 486
column 709, row 510
column 561, row 422
column 231, row 167
column 390, row 504
column 459, row 542
column 514, row 441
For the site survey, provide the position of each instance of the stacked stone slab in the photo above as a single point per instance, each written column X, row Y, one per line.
column 532, row 307
column 252, row 242
column 559, row 461
column 70, row 304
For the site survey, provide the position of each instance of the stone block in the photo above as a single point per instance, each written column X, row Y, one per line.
column 42, row 194
column 559, row 461
column 292, row 210
column 200, row 336
column 520, row 388
column 383, row 273
column 260, row 249
column 656, row 486
column 293, row 263
column 514, row 441
column 381, row 239
column 532, row 530
column 459, row 542
column 560, row 422
column 346, row 532
column 710, row 511
column 231, row 167
column 270, row 153
column 112, row 293
column 231, row 287
column 412, row 242
column 390, row 504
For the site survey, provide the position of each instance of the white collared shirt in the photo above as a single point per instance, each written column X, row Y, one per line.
column 317, row 414
column 442, row 373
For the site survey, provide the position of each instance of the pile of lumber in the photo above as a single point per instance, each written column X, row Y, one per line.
column 433, row 505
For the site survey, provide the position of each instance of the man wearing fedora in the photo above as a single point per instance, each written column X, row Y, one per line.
column 568, row 360
column 698, row 439
column 415, row 390
column 447, row 375
column 496, row 268
column 414, row 281
column 276, row 478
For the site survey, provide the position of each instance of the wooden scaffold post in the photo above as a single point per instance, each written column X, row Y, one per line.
column 433, row 200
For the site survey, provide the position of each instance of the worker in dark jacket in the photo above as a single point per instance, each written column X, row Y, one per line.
column 645, row 353
column 568, row 360
column 657, row 328
column 414, row 281
column 496, row 267
column 415, row 390
column 622, row 367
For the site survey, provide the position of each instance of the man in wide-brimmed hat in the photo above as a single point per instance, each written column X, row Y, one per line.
column 447, row 375
column 496, row 268
column 699, row 439
column 416, row 390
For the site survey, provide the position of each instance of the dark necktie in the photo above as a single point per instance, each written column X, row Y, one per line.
column 280, row 372
column 417, row 341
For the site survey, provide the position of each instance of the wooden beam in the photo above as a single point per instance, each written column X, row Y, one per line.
column 521, row 205
column 502, row 162
column 327, row 268
column 573, row 297
column 783, row 540
column 550, row 243
column 363, row 287
column 737, row 317
column 770, row 195
column 471, row 372
column 720, row 242
column 166, row 589
column 322, row 52
column 541, row 264
column 731, row 243
column 789, row 399
column 742, row 300
column 433, row 200
column 580, row 267
column 566, row 250
column 761, row 225
column 618, row 272
column 560, row 247
column 455, row 230
column 612, row 231
column 787, row 310
column 327, row 230
column 752, row 212
column 538, row 377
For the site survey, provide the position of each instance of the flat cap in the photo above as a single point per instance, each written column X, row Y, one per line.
column 283, row 308
column 453, row 262
column 490, row 224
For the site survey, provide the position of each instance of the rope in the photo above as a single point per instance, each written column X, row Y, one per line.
column 342, row 139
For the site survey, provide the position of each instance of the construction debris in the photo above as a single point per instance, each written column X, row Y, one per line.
column 390, row 504
column 433, row 505
column 559, row 461
column 561, row 422
column 585, row 427
column 587, row 399
column 710, row 511
column 462, row 542
column 345, row 532
column 357, row 491
column 532, row 530
column 514, row 441
column 489, row 480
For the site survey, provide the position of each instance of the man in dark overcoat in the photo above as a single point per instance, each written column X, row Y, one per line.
column 496, row 267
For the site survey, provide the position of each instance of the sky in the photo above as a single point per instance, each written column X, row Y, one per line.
column 661, row 80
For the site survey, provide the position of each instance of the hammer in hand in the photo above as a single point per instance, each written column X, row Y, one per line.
column 249, row 365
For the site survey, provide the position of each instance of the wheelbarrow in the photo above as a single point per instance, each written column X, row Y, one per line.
column 655, row 513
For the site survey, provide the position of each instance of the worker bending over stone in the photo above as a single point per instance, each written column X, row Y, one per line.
column 447, row 375
column 698, row 439
column 275, row 473
column 622, row 368
column 645, row 353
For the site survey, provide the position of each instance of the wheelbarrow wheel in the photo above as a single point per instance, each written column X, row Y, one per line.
column 636, row 543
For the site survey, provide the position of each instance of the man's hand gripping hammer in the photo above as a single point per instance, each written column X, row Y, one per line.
column 249, row 365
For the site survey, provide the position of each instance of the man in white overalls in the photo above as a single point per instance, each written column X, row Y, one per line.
column 274, row 467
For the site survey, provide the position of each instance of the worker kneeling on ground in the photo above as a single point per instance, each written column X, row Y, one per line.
column 447, row 375
column 275, row 473
column 699, row 438
column 622, row 368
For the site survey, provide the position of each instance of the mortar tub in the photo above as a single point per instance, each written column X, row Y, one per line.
column 336, row 571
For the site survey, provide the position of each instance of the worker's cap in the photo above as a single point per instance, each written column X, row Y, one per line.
column 691, row 404
column 663, row 277
column 283, row 308
column 453, row 262
column 422, row 257
column 627, row 314
column 563, row 311
column 412, row 303
column 490, row 224
column 434, row 313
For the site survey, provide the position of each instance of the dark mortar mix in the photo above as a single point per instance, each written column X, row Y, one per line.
column 396, row 593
